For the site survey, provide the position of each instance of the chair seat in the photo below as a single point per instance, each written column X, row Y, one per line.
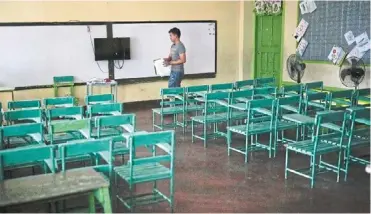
column 194, row 108
column 213, row 118
column 284, row 125
column 290, row 108
column 143, row 173
column 307, row 147
column 299, row 118
column 169, row 110
column 255, row 128
column 365, row 121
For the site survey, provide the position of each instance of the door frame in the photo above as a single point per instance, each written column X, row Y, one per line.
column 253, row 74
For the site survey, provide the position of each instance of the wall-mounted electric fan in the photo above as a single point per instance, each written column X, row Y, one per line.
column 295, row 67
column 352, row 72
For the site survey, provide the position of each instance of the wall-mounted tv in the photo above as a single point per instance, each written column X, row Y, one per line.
column 112, row 48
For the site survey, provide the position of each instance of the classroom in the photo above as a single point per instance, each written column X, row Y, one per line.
column 185, row 106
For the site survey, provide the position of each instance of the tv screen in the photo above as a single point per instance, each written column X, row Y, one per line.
column 111, row 48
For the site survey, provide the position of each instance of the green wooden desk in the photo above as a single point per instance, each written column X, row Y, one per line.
column 51, row 187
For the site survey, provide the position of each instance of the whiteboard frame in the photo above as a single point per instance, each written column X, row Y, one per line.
column 111, row 68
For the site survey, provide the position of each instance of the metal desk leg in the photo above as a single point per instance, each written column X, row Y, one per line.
column 91, row 203
column 103, row 196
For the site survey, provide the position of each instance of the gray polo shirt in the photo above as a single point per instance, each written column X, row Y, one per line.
column 176, row 50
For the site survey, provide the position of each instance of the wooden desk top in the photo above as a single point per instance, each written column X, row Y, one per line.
column 48, row 186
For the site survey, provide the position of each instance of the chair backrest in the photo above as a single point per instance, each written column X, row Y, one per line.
column 263, row 92
column 68, row 101
column 26, row 155
column 213, row 100
column 233, row 96
column 329, row 121
column 99, row 99
column 164, row 140
column 76, row 111
column 264, row 108
column 346, row 96
column 360, row 115
column 317, row 100
column 293, row 101
column 23, row 114
column 24, row 104
column 197, row 88
column 364, row 92
column 19, row 130
column 310, row 86
column 222, row 87
column 172, row 96
column 126, row 121
column 292, row 89
column 69, row 126
column 244, row 84
column 84, row 147
column 105, row 109
column 63, row 79
column 266, row 81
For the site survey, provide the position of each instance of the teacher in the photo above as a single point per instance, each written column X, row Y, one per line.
column 176, row 59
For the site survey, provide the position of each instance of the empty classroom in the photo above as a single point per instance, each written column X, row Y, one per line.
column 185, row 106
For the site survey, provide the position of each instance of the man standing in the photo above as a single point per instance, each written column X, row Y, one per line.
column 176, row 59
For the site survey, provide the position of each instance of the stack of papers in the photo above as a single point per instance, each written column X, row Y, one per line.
column 160, row 69
column 362, row 45
column 336, row 55
column 307, row 6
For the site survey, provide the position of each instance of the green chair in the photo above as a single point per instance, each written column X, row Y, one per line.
column 215, row 111
column 313, row 87
column 326, row 128
column 118, row 128
column 286, row 106
column 150, row 169
column 244, row 84
column 265, row 82
column 194, row 102
column 260, row 120
column 24, row 104
column 74, row 150
column 172, row 104
column 59, row 102
column 316, row 101
column 67, row 113
column 31, row 133
column 63, row 81
column 363, row 95
column 75, row 129
column 265, row 93
column 340, row 100
column 358, row 136
column 289, row 90
column 104, row 109
column 27, row 157
column 23, row 116
column 222, row 87
column 99, row 99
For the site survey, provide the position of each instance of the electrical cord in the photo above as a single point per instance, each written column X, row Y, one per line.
column 92, row 46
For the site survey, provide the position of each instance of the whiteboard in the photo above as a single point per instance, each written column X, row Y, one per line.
column 33, row 55
column 150, row 41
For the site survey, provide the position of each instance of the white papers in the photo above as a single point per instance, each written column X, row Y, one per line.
column 349, row 37
column 336, row 55
column 362, row 39
column 307, row 6
column 365, row 47
column 355, row 53
column 302, row 46
column 301, row 29
column 160, row 69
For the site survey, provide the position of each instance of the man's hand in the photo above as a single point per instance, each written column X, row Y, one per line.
column 166, row 62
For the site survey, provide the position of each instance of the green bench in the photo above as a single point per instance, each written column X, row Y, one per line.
column 99, row 99
column 24, row 104
column 56, row 102
column 104, row 109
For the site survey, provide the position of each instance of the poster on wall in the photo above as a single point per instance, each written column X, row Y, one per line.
column 301, row 29
column 302, row 47
column 268, row 7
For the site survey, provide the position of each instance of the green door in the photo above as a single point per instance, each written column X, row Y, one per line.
column 268, row 60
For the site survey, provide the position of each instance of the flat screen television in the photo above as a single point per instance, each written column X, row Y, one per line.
column 112, row 48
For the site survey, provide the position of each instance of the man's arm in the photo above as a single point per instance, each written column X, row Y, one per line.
column 182, row 56
column 182, row 59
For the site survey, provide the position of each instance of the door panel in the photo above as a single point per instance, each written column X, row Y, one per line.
column 268, row 33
